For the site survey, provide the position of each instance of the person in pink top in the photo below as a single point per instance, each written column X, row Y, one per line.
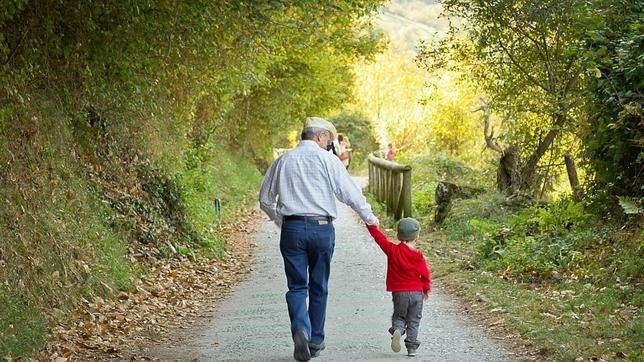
column 390, row 152
column 408, row 280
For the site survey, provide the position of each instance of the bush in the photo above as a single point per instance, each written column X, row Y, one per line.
column 541, row 242
column 469, row 218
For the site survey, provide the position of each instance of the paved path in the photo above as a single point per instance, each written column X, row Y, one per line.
column 252, row 323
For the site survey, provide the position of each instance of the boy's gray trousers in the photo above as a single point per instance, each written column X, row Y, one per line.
column 408, row 310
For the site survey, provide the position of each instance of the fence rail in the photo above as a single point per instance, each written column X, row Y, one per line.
column 390, row 182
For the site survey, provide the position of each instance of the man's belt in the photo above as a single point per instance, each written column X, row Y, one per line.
column 306, row 218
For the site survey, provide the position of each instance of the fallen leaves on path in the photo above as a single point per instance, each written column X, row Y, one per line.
column 174, row 292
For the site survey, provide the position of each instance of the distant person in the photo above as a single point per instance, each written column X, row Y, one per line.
column 408, row 280
column 390, row 152
column 299, row 194
column 345, row 150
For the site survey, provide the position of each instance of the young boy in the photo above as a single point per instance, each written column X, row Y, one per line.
column 409, row 280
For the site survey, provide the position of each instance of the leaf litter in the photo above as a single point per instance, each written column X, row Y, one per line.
column 174, row 293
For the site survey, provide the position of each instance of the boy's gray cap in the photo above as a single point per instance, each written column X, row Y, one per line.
column 317, row 122
column 408, row 229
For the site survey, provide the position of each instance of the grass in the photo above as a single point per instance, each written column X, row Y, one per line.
column 57, row 243
column 582, row 312
column 212, row 175
column 22, row 326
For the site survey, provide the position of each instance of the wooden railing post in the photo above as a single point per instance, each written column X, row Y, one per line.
column 390, row 183
column 396, row 186
column 406, row 192
column 371, row 176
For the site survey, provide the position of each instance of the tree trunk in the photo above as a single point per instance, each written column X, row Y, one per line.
column 443, row 197
column 571, row 169
column 528, row 170
column 507, row 176
column 446, row 192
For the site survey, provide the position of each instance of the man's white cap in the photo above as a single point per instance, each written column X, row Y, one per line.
column 317, row 122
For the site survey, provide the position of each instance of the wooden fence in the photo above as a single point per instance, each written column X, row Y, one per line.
column 390, row 182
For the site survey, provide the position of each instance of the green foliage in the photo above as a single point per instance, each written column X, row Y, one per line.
column 560, row 77
column 472, row 219
column 70, row 238
column 305, row 70
column 539, row 243
column 449, row 101
column 360, row 132
column 58, row 242
column 523, row 57
column 210, row 67
column 117, row 124
column 388, row 91
column 630, row 206
column 112, row 266
column 209, row 175
column 558, row 217
column 612, row 44
column 386, row 218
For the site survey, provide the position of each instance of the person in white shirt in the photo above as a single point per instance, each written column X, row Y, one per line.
column 299, row 193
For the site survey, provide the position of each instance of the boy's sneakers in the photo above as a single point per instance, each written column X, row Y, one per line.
column 395, row 341
column 411, row 352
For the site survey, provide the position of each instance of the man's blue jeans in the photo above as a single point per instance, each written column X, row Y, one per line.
column 307, row 248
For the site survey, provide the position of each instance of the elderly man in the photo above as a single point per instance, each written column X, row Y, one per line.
column 299, row 194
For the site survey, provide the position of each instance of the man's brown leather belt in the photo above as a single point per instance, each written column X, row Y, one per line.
column 305, row 218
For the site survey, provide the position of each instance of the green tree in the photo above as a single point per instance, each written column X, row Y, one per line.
column 454, row 127
column 613, row 40
column 389, row 91
column 522, row 56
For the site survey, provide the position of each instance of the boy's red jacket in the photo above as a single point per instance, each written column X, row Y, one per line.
column 407, row 269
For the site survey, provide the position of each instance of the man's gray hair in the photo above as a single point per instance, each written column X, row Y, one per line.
column 309, row 133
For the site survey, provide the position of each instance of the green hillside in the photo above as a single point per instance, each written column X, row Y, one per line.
column 407, row 22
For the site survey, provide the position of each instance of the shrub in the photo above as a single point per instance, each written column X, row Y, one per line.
column 541, row 242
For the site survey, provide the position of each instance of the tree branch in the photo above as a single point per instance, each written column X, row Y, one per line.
column 488, row 131
column 516, row 63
